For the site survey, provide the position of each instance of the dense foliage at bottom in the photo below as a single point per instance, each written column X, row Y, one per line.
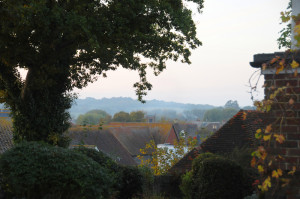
column 35, row 170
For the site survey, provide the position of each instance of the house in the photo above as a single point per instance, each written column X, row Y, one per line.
column 238, row 132
column 123, row 141
column 103, row 140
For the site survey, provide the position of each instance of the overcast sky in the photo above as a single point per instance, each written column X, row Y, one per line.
column 232, row 31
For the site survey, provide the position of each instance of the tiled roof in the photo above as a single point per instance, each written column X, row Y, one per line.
column 164, row 128
column 238, row 132
column 5, row 135
column 135, row 138
column 104, row 140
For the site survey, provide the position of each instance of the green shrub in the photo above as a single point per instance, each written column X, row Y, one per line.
column 127, row 180
column 100, row 158
column 217, row 177
column 186, row 184
column 148, row 180
column 131, row 182
column 199, row 159
column 214, row 176
column 36, row 170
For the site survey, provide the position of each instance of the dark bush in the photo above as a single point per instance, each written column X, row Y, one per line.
column 127, row 181
column 186, row 184
column 217, row 177
column 131, row 182
column 148, row 179
column 35, row 170
column 197, row 161
column 100, row 158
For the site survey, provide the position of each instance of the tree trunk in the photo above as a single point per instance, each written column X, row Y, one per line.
column 41, row 110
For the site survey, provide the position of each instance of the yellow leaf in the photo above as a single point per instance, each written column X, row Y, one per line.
column 264, row 155
column 260, row 169
column 274, row 60
column 294, row 64
column 266, row 184
column 258, row 131
column 279, row 171
column 267, row 137
column 270, row 163
column 268, row 128
column 293, row 171
column 244, row 115
column 275, row 174
column 279, row 138
column 278, row 69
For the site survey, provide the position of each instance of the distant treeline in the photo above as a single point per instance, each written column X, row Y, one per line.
column 101, row 117
column 218, row 114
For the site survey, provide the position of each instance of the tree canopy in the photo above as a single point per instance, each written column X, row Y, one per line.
column 93, row 117
column 65, row 44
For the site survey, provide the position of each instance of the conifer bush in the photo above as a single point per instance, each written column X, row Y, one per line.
column 35, row 170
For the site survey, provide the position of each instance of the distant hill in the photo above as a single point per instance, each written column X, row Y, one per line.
column 116, row 104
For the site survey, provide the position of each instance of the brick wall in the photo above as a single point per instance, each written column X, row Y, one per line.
column 285, row 115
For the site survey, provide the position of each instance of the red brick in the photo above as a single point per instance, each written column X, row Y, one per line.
column 293, row 90
column 293, row 121
column 293, row 160
column 280, row 151
column 293, row 136
column 289, row 128
column 293, row 152
column 280, row 83
column 289, row 144
column 282, row 76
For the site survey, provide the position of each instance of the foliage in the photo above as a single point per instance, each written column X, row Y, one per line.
column 148, row 180
column 232, row 104
column 186, row 184
column 204, row 133
column 137, row 116
column 93, row 117
column 131, row 182
column 67, row 44
column 284, row 40
column 127, row 181
column 267, row 163
column 134, row 116
column 99, row 157
column 219, row 114
column 121, row 117
column 283, row 98
column 162, row 159
column 38, row 170
column 216, row 177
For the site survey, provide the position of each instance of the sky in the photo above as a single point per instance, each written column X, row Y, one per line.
column 231, row 31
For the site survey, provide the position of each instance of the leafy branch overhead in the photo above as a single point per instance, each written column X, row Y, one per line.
column 91, row 37
column 67, row 44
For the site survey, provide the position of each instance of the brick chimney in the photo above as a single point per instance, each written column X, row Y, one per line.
column 285, row 109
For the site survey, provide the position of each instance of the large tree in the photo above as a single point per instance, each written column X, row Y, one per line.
column 65, row 44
